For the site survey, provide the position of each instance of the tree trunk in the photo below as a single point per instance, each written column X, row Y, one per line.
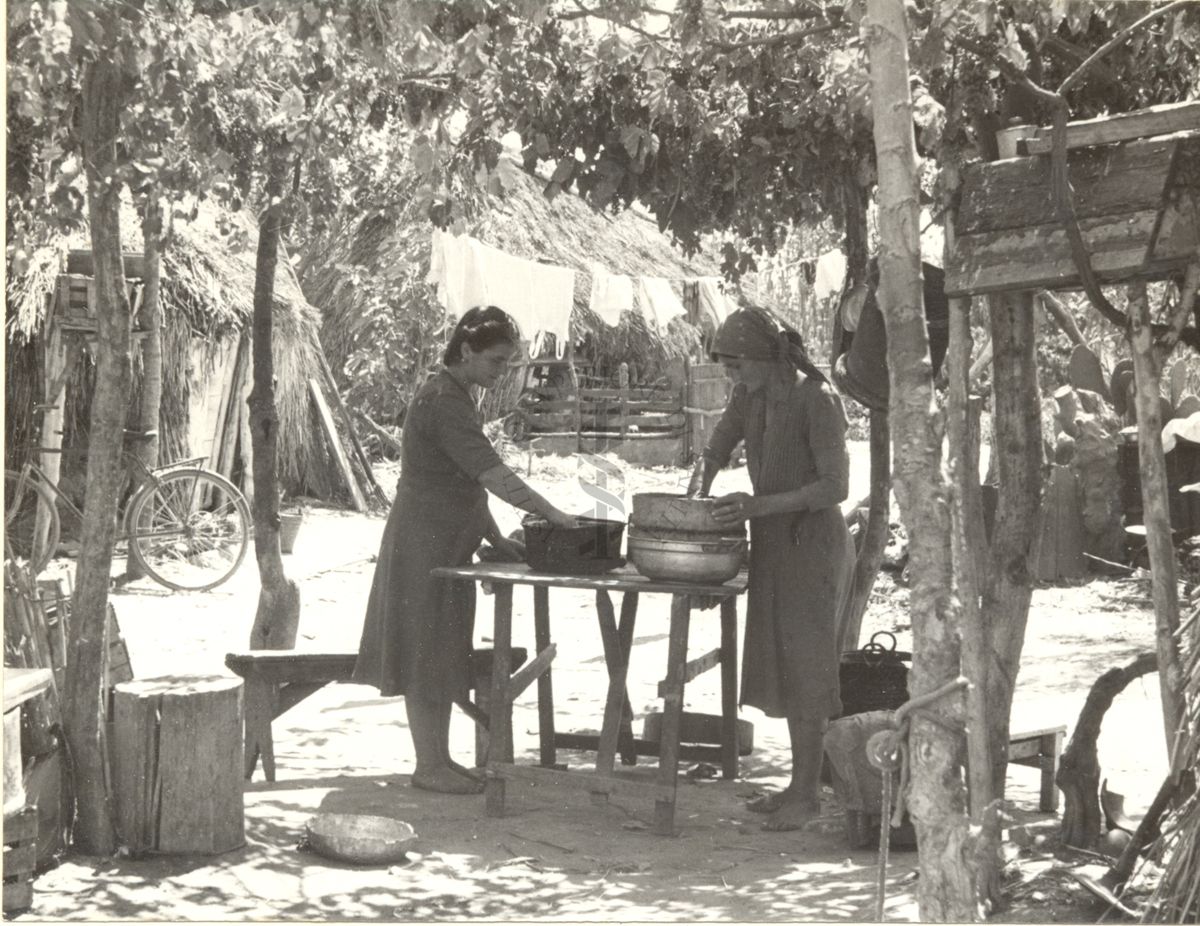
column 102, row 95
column 1079, row 769
column 1164, row 583
column 969, row 543
column 278, row 617
column 145, row 418
column 875, row 536
column 1017, row 449
column 936, row 798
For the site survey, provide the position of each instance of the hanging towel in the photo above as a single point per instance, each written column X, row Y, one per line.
column 658, row 301
column 468, row 273
column 831, row 270
column 713, row 301
column 612, row 294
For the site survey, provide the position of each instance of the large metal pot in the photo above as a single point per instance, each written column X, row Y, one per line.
column 686, row 556
column 658, row 511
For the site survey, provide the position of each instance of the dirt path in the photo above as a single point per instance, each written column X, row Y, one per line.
column 556, row 855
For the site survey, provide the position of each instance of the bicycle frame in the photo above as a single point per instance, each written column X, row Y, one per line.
column 150, row 473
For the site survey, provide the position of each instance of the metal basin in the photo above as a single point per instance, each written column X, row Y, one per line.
column 713, row 559
column 663, row 511
column 361, row 839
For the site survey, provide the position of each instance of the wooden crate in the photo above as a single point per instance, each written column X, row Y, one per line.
column 20, row 856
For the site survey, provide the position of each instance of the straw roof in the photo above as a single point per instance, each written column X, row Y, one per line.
column 564, row 231
column 207, row 295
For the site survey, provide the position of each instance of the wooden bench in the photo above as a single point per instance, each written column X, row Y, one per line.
column 1040, row 749
column 278, row 680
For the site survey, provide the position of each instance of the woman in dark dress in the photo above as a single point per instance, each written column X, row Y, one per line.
column 801, row 554
column 417, row 636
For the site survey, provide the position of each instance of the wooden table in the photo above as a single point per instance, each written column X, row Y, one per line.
column 617, row 639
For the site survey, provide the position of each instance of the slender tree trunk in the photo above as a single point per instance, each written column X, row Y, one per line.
column 1164, row 582
column 1017, row 449
column 875, row 536
column 150, row 321
column 278, row 617
column 969, row 542
column 936, row 798
column 102, row 95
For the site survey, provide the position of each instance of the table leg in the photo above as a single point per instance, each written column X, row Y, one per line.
column 668, row 748
column 500, row 722
column 626, row 743
column 541, row 638
column 616, row 658
column 259, row 700
column 729, row 693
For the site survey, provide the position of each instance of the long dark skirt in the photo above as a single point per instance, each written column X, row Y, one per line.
column 418, row 630
column 797, row 591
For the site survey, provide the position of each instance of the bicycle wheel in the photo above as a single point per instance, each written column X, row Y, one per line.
column 189, row 529
column 24, row 495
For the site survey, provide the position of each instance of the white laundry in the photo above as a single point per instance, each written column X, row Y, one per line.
column 713, row 301
column 468, row 273
column 612, row 294
column 831, row 271
column 658, row 301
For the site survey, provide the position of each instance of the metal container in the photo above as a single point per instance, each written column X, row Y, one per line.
column 686, row 557
column 592, row 546
column 658, row 511
column 361, row 839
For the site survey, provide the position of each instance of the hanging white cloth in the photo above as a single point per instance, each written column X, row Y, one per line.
column 658, row 301
column 612, row 294
column 713, row 301
column 831, row 270
column 468, row 273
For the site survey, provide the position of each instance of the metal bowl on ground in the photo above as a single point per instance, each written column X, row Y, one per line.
column 360, row 839
column 665, row 511
column 686, row 556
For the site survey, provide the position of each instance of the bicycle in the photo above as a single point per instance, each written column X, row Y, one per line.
column 187, row 528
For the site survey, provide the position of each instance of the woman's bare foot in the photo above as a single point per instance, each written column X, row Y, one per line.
column 793, row 813
column 472, row 773
column 445, row 780
column 767, row 803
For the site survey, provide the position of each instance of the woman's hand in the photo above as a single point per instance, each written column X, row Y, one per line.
column 735, row 508
column 561, row 518
column 513, row 551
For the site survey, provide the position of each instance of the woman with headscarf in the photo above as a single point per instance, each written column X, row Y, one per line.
column 801, row 554
column 417, row 636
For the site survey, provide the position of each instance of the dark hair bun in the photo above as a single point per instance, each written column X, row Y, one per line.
column 480, row 328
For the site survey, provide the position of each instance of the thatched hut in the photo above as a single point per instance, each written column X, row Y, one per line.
column 340, row 274
column 207, row 291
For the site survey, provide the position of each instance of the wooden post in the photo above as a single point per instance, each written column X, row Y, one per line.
column 574, row 376
column 55, row 370
column 668, row 747
column 541, row 634
column 177, row 762
column 1156, row 514
column 500, row 719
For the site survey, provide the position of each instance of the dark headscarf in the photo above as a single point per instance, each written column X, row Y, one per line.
column 754, row 334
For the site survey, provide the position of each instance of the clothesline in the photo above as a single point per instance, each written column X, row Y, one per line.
column 541, row 297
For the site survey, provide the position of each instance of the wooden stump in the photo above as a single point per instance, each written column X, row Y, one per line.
column 177, row 764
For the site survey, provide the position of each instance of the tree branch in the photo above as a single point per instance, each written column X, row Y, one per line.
column 584, row 11
column 1179, row 317
column 782, row 38
column 809, row 12
column 1117, row 39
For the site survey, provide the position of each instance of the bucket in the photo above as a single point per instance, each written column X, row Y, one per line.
column 289, row 527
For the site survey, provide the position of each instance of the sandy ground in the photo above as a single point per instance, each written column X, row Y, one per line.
column 557, row 854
